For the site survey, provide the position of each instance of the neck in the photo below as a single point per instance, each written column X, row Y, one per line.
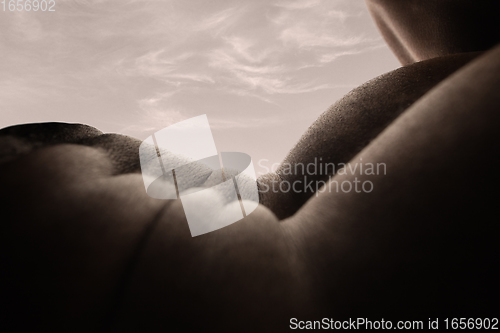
column 420, row 30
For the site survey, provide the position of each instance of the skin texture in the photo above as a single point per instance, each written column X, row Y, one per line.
column 425, row 238
column 349, row 125
column 83, row 248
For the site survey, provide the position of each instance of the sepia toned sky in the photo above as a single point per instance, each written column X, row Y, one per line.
column 262, row 70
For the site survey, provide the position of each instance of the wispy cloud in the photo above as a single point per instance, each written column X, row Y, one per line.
column 159, row 61
column 217, row 123
column 154, row 114
column 220, row 21
column 304, row 37
column 329, row 57
column 299, row 4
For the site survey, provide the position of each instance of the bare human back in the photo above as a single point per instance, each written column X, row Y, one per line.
column 84, row 248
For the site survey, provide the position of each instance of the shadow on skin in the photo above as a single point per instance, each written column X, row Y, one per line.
column 83, row 248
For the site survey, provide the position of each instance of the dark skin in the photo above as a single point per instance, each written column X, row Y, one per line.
column 418, row 30
column 432, row 39
column 350, row 124
column 84, row 248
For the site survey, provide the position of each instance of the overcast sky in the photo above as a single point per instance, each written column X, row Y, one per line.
column 261, row 70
